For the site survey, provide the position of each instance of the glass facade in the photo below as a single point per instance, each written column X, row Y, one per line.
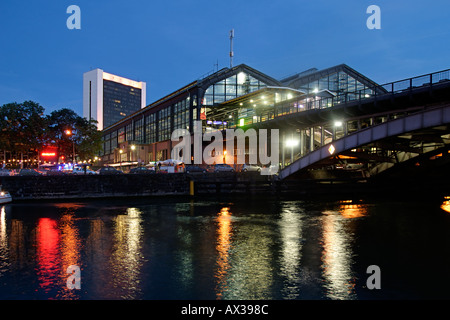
column 181, row 114
column 340, row 83
column 211, row 104
column 139, row 130
column 129, row 132
column 119, row 101
column 150, row 128
column 230, row 88
column 164, row 127
column 107, row 144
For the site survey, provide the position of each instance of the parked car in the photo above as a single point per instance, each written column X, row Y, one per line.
column 353, row 166
column 194, row 169
column 141, row 170
column 222, row 167
column 29, row 172
column 55, row 172
column 251, row 168
column 271, row 169
column 109, row 170
column 78, row 170
column 6, row 172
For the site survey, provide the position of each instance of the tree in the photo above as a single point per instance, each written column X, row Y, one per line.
column 83, row 134
column 23, row 127
column 90, row 143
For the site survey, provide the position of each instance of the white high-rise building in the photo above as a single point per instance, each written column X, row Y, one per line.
column 109, row 98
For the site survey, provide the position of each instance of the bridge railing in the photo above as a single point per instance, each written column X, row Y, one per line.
column 430, row 118
column 311, row 101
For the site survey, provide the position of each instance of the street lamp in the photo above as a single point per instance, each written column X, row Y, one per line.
column 133, row 147
column 292, row 142
column 120, row 156
column 69, row 133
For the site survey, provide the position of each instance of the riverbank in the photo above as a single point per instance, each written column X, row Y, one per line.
column 81, row 187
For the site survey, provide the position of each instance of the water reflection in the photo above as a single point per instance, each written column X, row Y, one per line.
column 17, row 245
column 446, row 204
column 4, row 250
column 223, row 246
column 127, row 258
column 201, row 249
column 291, row 247
column 350, row 210
column 47, row 253
column 337, row 256
column 69, row 249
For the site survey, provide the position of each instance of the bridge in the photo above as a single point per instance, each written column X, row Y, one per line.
column 398, row 123
column 417, row 134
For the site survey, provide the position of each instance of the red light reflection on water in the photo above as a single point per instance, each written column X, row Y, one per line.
column 57, row 248
column 47, row 252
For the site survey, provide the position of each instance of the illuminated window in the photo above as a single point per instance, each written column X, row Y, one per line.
column 230, row 88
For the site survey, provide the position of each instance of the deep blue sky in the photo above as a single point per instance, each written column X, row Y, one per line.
column 168, row 44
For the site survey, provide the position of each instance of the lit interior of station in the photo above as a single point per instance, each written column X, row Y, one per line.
column 241, row 97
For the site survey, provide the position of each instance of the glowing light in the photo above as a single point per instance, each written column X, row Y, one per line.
column 241, row 77
column 48, row 154
column 446, row 205
column 124, row 81
column 292, row 142
column 331, row 149
column 338, row 123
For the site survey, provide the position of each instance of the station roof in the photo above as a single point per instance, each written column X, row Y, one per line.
column 264, row 98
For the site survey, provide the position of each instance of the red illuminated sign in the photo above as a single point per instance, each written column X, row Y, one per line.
column 48, row 154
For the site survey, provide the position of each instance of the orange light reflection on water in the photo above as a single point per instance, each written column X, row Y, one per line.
column 223, row 246
column 446, row 205
column 351, row 211
column 69, row 250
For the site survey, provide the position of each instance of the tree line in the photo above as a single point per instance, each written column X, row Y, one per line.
column 25, row 129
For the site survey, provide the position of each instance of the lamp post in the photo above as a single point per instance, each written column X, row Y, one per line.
column 292, row 142
column 120, row 156
column 133, row 147
column 69, row 133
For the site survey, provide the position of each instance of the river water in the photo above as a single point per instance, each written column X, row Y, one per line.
column 264, row 249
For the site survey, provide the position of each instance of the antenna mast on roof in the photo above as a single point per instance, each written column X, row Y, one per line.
column 231, row 47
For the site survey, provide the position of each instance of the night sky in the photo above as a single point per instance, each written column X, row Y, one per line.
column 169, row 44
